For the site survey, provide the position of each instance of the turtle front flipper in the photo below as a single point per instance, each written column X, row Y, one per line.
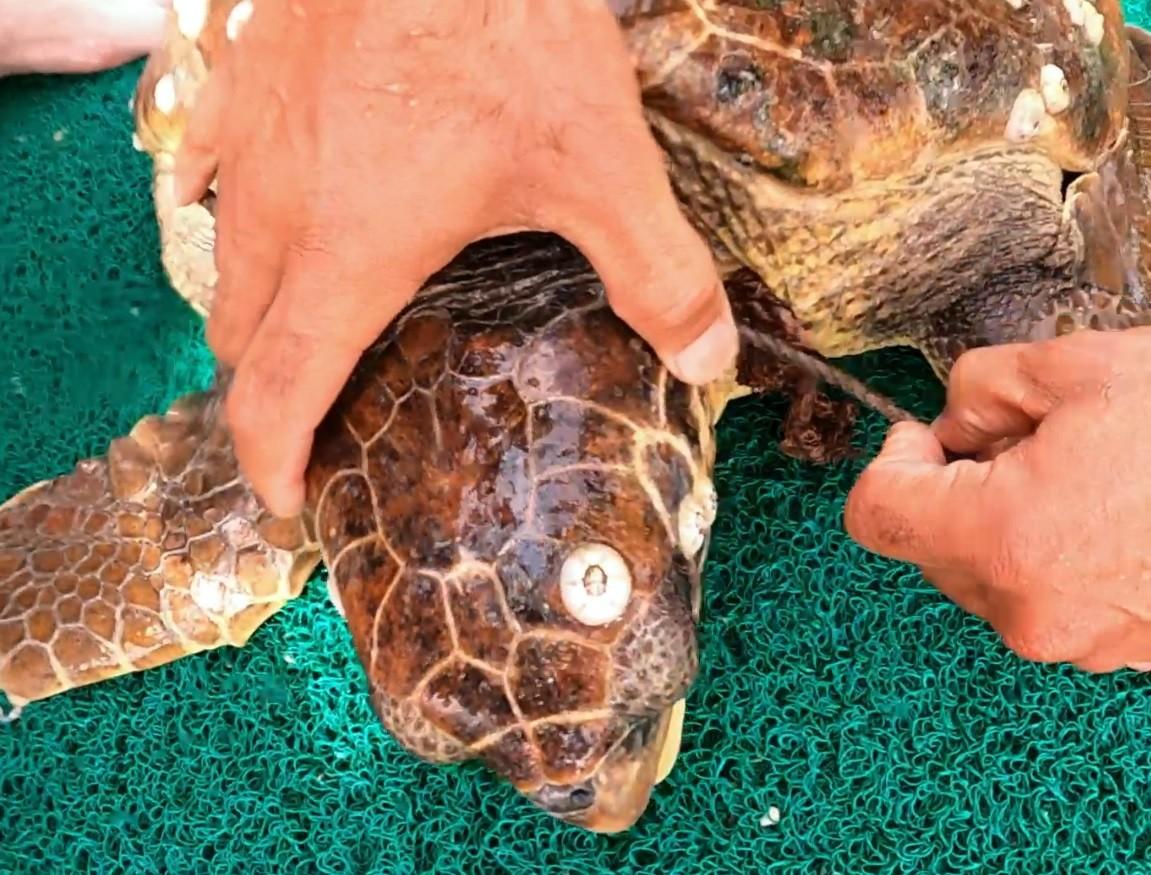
column 154, row 551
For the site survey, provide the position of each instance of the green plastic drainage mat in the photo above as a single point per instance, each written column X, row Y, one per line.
column 892, row 732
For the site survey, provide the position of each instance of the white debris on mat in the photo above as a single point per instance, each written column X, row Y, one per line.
column 771, row 818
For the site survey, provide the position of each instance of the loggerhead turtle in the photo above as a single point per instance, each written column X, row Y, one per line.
column 512, row 496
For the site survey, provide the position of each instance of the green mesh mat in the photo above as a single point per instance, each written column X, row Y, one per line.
column 892, row 732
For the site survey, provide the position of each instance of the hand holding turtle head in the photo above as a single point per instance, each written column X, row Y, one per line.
column 356, row 154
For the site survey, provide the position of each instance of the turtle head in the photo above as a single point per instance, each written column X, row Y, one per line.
column 516, row 496
column 602, row 576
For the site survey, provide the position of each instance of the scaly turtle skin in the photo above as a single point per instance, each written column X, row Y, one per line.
column 926, row 173
column 512, row 495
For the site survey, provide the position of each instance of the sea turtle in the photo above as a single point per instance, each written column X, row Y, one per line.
column 512, row 496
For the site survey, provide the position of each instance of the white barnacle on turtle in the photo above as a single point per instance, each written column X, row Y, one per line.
column 595, row 584
column 164, row 94
column 191, row 16
column 1027, row 116
column 240, row 15
column 1053, row 86
column 1094, row 25
column 218, row 594
column 696, row 515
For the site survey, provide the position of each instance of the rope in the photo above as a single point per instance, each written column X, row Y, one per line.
column 828, row 374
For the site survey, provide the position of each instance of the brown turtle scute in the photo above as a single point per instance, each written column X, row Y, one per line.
column 464, row 463
column 512, row 495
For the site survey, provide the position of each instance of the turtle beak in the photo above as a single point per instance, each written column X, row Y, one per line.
column 617, row 795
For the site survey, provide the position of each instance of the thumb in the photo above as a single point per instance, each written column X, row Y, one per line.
column 661, row 280
column 658, row 273
column 910, row 505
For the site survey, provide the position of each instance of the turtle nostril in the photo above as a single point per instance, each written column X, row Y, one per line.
column 581, row 798
column 565, row 800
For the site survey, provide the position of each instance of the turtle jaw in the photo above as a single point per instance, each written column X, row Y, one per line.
column 616, row 795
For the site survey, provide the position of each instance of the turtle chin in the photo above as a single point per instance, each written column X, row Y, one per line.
column 617, row 793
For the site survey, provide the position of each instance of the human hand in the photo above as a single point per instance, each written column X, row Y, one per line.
column 1047, row 533
column 360, row 147
column 77, row 36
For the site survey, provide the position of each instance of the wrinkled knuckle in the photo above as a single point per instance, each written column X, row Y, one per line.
column 264, row 385
column 1033, row 362
column 1014, row 560
column 971, row 421
column 238, row 413
column 1034, row 642
column 696, row 308
column 683, row 310
column 310, row 243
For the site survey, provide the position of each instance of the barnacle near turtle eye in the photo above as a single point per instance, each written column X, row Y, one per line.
column 595, row 584
column 696, row 514
column 191, row 15
column 237, row 18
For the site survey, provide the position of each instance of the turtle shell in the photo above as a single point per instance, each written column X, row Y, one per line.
column 827, row 93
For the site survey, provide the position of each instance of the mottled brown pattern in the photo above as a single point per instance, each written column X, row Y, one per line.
column 568, row 432
column 515, row 756
column 467, row 702
column 567, row 750
column 368, row 571
column 484, row 625
column 411, row 635
column 551, row 677
column 655, row 660
column 117, row 566
column 828, row 93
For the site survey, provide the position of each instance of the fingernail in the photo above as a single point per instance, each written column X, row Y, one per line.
column 709, row 355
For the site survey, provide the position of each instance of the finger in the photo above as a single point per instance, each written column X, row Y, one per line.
column 250, row 253
column 911, row 506
column 86, row 38
column 1000, row 392
column 328, row 310
column 660, row 280
column 197, row 158
column 659, row 275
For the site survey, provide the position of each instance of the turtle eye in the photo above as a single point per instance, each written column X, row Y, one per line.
column 595, row 584
column 696, row 514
